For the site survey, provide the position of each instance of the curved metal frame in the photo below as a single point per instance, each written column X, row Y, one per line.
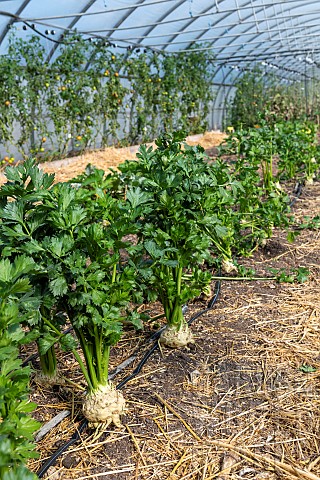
column 12, row 20
column 249, row 25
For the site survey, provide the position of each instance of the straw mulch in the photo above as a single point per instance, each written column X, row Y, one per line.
column 242, row 403
column 111, row 157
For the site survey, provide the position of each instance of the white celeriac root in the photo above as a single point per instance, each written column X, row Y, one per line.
column 171, row 337
column 309, row 180
column 228, row 266
column 104, row 405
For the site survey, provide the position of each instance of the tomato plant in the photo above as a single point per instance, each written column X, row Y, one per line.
column 80, row 99
column 260, row 95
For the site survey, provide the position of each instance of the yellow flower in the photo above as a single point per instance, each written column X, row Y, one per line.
column 230, row 129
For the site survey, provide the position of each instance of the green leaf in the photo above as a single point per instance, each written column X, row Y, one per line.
column 60, row 246
column 136, row 197
column 33, row 246
column 45, row 343
column 302, row 274
column 27, row 427
column 5, row 270
column 58, row 286
column 291, row 236
column 169, row 263
column 153, row 250
column 135, row 319
column 20, row 286
column 19, row 473
column 221, row 231
column 13, row 211
column 22, row 265
column 25, row 406
column 68, row 342
column 307, row 368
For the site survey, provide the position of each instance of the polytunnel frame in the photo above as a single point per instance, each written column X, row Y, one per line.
column 223, row 94
column 245, row 11
column 255, row 9
column 222, row 97
column 229, row 44
column 241, row 8
column 226, row 96
column 70, row 28
column 12, row 20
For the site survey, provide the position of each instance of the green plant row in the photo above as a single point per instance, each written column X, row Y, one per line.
column 78, row 100
column 16, row 425
column 282, row 150
column 102, row 245
column 260, row 96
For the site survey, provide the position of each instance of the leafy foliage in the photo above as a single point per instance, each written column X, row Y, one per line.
column 76, row 101
column 300, row 275
column 103, row 244
column 310, row 223
column 78, row 267
column 260, row 96
column 261, row 204
column 16, row 425
column 28, row 222
column 174, row 189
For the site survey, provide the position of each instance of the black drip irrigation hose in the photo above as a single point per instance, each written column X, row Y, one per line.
column 155, row 337
column 211, row 303
column 75, row 437
column 297, row 191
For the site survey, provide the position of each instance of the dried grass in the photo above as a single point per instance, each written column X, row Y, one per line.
column 111, row 157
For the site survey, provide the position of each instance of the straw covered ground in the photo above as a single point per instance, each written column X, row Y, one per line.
column 70, row 167
column 242, row 403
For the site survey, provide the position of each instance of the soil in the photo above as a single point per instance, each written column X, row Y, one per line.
column 241, row 403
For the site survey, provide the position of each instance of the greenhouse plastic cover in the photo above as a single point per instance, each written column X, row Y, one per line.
column 281, row 34
column 281, row 37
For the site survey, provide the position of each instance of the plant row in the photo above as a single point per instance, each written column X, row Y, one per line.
column 16, row 425
column 93, row 250
column 85, row 93
column 259, row 95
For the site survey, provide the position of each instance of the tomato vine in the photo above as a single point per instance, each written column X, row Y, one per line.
column 89, row 96
column 259, row 97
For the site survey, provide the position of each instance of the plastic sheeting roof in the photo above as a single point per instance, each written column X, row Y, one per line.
column 282, row 36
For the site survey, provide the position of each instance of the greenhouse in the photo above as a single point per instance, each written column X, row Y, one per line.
column 159, row 240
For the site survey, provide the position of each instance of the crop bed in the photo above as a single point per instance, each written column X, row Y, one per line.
column 242, row 402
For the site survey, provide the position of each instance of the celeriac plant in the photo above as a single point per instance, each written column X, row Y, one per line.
column 97, row 288
column 79, row 271
column 23, row 224
column 172, row 185
column 260, row 204
column 297, row 148
column 16, row 425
